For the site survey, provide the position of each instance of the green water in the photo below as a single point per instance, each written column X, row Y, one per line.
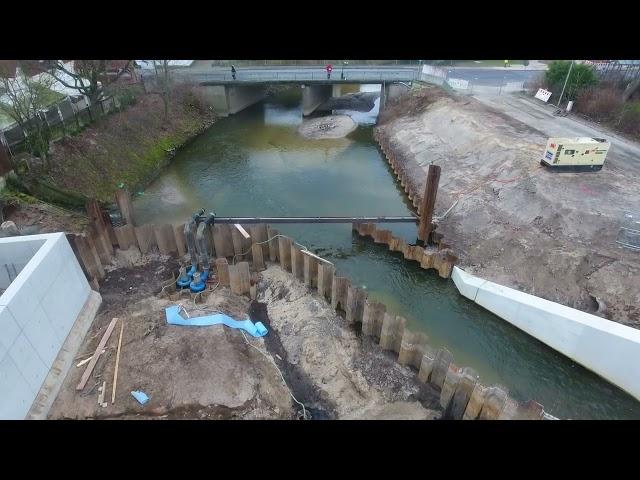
column 255, row 164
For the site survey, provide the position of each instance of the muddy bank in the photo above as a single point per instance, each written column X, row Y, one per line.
column 515, row 223
column 216, row 373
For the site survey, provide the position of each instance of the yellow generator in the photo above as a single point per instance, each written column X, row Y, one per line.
column 575, row 154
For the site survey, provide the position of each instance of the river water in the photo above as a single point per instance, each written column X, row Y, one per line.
column 254, row 163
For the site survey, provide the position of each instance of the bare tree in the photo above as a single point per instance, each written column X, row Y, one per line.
column 24, row 99
column 88, row 77
column 161, row 68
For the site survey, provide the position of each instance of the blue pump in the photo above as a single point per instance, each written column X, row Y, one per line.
column 197, row 246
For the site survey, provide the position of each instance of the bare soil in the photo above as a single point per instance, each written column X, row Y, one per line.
column 214, row 373
column 546, row 233
column 330, row 126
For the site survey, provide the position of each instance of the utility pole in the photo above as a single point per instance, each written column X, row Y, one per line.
column 565, row 84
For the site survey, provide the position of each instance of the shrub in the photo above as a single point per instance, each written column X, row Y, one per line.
column 630, row 119
column 581, row 76
column 602, row 104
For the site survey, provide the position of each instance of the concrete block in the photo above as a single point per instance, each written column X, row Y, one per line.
column 495, row 398
column 222, row 268
column 17, row 395
column 460, row 400
column 65, row 359
column 41, row 335
column 284, row 249
column 372, row 317
column 310, row 267
column 62, row 303
column 339, row 291
column 441, row 366
column 392, row 332
column 355, row 304
column 580, row 336
column 9, row 330
column 476, row 402
column 31, row 366
column 326, row 273
column 466, row 284
column 297, row 265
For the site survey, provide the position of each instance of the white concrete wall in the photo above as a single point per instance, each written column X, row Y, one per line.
column 607, row 348
column 37, row 312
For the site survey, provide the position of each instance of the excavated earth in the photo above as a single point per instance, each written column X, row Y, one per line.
column 545, row 233
column 217, row 373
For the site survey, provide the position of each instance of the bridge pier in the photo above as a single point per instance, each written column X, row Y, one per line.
column 313, row 96
column 389, row 91
column 229, row 99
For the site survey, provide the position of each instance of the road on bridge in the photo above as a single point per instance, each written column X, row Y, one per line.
column 353, row 73
column 493, row 76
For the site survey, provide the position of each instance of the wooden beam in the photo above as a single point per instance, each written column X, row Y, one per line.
column 94, row 359
column 115, row 372
column 428, row 203
column 242, row 230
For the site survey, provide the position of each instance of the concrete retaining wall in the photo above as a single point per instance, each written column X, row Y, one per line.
column 607, row 348
column 37, row 312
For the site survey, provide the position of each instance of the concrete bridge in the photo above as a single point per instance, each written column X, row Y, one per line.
column 228, row 95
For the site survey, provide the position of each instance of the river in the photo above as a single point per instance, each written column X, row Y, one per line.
column 255, row 163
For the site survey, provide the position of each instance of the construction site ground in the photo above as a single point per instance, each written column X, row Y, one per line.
column 218, row 373
column 516, row 223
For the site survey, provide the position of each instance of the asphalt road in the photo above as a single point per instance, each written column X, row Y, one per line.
column 493, row 76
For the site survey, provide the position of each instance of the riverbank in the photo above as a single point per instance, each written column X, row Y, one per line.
column 517, row 224
column 128, row 147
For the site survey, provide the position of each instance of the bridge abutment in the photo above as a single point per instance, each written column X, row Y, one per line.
column 229, row 99
column 313, row 96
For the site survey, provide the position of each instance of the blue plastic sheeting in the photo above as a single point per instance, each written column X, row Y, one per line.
column 174, row 318
column 141, row 397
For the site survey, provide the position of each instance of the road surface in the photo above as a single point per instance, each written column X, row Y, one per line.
column 492, row 76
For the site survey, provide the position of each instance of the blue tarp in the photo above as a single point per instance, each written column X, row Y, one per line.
column 174, row 318
column 141, row 397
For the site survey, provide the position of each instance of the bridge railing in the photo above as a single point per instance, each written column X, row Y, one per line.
column 405, row 76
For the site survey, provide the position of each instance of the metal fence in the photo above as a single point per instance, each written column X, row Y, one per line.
column 67, row 116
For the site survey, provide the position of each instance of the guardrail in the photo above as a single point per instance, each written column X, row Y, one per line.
column 253, row 77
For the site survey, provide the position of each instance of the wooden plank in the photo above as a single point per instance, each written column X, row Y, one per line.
column 115, row 372
column 94, row 359
column 242, row 230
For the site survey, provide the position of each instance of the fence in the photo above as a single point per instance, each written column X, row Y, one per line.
column 67, row 116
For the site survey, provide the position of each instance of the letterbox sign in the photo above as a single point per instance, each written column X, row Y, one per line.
column 543, row 94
